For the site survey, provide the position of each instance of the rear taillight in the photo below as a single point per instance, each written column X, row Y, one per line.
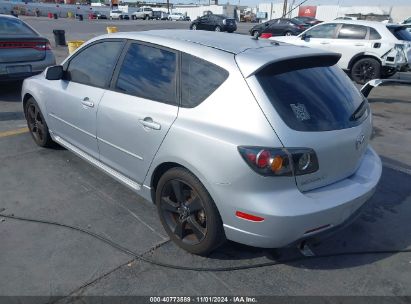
column 266, row 35
column 280, row 161
column 40, row 46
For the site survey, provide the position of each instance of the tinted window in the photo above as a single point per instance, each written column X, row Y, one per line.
column 296, row 21
column 312, row 99
column 95, row 64
column 14, row 27
column 400, row 33
column 199, row 79
column 323, row 31
column 149, row 72
column 374, row 35
column 351, row 31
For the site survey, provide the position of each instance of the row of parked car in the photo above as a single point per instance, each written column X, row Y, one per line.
column 145, row 13
column 368, row 49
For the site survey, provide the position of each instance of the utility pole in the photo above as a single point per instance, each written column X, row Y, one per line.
column 285, row 8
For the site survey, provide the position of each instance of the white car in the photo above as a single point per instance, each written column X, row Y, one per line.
column 176, row 16
column 144, row 12
column 116, row 14
column 369, row 49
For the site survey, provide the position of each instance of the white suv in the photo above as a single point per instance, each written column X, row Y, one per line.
column 143, row 13
column 369, row 49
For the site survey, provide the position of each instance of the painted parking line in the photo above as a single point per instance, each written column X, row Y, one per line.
column 13, row 132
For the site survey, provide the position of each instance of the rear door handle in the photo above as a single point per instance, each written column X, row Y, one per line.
column 148, row 122
column 87, row 102
column 324, row 42
column 359, row 44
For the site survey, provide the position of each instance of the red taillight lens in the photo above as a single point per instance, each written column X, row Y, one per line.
column 280, row 161
column 266, row 35
column 40, row 46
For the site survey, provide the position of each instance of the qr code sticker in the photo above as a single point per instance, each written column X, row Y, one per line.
column 300, row 111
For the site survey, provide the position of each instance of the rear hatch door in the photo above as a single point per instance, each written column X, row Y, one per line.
column 311, row 103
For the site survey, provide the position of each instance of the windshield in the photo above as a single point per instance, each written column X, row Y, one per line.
column 14, row 27
column 400, row 32
column 313, row 99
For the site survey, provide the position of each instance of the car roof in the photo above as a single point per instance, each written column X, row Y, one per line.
column 251, row 54
column 230, row 43
column 374, row 24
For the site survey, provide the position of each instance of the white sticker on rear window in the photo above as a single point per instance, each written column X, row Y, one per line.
column 300, row 111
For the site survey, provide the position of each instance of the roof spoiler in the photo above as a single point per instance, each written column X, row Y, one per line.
column 367, row 88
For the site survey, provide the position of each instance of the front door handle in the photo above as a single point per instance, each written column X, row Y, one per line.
column 359, row 44
column 87, row 102
column 148, row 122
column 324, row 42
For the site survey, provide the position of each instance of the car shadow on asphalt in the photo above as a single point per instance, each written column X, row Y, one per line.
column 10, row 91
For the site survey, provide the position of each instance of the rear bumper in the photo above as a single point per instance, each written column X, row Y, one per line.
column 292, row 216
column 36, row 67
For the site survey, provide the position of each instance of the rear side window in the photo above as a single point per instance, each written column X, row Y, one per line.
column 94, row 65
column 149, row 72
column 312, row 99
column 351, row 31
column 323, row 31
column 199, row 79
column 374, row 35
column 14, row 27
column 400, row 33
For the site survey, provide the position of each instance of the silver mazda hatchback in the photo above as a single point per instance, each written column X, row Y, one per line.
column 234, row 138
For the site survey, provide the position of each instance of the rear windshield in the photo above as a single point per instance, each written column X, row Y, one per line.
column 400, row 33
column 313, row 99
column 14, row 27
column 296, row 21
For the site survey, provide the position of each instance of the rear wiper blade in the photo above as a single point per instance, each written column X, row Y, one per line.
column 359, row 112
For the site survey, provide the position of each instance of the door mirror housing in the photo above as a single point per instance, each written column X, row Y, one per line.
column 305, row 37
column 54, row 72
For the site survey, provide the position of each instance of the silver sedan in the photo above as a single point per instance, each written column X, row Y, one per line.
column 23, row 52
column 231, row 137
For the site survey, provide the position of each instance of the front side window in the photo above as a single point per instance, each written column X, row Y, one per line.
column 352, row 31
column 199, row 79
column 149, row 72
column 323, row 31
column 319, row 98
column 94, row 65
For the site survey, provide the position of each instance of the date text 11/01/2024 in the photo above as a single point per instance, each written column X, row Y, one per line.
column 203, row 299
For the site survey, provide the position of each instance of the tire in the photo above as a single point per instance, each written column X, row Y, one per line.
column 256, row 34
column 388, row 72
column 288, row 33
column 217, row 28
column 194, row 27
column 169, row 19
column 198, row 230
column 365, row 69
column 146, row 17
column 37, row 125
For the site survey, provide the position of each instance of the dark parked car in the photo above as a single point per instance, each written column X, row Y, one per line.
column 99, row 15
column 308, row 20
column 211, row 22
column 23, row 52
column 279, row 27
column 160, row 15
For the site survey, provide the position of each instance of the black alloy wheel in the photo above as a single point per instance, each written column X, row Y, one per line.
column 365, row 69
column 188, row 213
column 37, row 124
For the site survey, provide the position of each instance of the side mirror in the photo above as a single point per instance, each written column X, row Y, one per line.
column 54, row 72
column 305, row 37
